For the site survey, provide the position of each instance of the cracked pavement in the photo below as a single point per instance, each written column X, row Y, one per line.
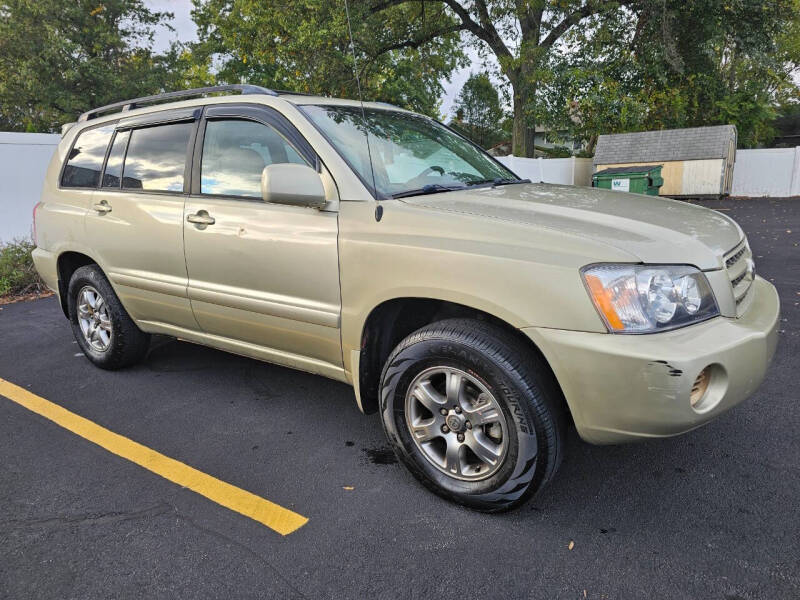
column 711, row 514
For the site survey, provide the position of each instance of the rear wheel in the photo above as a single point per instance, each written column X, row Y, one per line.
column 472, row 413
column 103, row 329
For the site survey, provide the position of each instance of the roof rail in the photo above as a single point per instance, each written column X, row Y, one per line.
column 127, row 105
column 292, row 93
column 66, row 127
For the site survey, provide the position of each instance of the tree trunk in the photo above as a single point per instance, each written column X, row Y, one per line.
column 524, row 134
column 592, row 144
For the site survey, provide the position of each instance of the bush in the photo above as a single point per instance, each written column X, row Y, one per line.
column 17, row 273
column 555, row 151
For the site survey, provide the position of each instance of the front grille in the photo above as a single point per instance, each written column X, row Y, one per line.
column 739, row 279
column 738, row 263
column 732, row 260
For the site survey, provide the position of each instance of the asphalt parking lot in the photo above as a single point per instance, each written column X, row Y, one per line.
column 712, row 514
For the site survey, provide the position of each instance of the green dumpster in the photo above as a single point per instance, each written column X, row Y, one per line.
column 637, row 179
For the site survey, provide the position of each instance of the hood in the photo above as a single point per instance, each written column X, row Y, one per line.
column 656, row 230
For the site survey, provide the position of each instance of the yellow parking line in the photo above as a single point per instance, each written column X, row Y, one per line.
column 274, row 516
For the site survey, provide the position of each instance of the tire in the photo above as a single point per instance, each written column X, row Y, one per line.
column 108, row 336
column 478, row 359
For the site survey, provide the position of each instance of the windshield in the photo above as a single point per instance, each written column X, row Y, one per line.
column 409, row 152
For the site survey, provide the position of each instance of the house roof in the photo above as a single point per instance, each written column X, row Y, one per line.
column 695, row 143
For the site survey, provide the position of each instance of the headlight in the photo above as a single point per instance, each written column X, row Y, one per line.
column 644, row 299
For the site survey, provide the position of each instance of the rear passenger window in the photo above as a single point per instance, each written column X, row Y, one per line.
column 86, row 158
column 113, row 172
column 157, row 157
column 234, row 154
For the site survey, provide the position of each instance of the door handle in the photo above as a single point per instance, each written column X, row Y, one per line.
column 201, row 217
column 102, row 207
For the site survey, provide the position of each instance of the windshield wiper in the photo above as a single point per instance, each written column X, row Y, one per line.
column 497, row 181
column 433, row 188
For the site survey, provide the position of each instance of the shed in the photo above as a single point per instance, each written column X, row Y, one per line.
column 697, row 161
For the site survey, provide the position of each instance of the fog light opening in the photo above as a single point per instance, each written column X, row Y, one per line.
column 700, row 387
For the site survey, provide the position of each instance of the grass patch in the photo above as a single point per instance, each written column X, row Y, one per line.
column 18, row 276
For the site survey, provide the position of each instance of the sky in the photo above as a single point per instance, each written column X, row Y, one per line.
column 185, row 31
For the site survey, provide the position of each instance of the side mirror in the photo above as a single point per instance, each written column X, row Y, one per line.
column 289, row 183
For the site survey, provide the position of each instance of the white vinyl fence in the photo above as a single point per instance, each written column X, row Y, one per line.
column 570, row 171
column 771, row 172
column 24, row 158
column 23, row 162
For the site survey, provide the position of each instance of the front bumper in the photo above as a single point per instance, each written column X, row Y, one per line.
column 626, row 387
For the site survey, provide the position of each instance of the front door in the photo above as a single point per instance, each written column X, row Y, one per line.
column 264, row 275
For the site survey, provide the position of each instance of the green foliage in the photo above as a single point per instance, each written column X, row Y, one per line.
column 555, row 151
column 522, row 36
column 478, row 111
column 58, row 59
column 588, row 66
column 304, row 46
column 788, row 121
column 17, row 273
column 674, row 64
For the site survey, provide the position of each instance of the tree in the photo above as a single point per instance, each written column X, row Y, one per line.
column 787, row 125
column 58, row 59
column 681, row 64
column 308, row 46
column 479, row 111
column 601, row 65
column 727, row 61
column 645, row 63
column 521, row 35
column 305, row 46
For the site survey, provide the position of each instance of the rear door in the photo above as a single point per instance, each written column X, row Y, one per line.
column 262, row 274
column 77, row 182
column 135, row 222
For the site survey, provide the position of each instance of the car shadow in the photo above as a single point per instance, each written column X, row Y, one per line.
column 603, row 489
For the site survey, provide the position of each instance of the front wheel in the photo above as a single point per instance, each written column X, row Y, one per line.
column 473, row 413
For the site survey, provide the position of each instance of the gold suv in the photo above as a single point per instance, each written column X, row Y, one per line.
column 477, row 312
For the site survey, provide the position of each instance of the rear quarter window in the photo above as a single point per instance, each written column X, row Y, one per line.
column 85, row 160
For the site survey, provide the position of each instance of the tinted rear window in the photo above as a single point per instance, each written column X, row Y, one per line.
column 86, row 158
column 157, row 157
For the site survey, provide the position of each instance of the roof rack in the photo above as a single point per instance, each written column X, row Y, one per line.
column 293, row 93
column 127, row 105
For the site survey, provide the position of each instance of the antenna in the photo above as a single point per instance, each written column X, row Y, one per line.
column 360, row 97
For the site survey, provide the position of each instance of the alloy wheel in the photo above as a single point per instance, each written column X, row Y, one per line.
column 457, row 424
column 94, row 319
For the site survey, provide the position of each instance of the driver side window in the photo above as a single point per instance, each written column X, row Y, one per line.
column 235, row 152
